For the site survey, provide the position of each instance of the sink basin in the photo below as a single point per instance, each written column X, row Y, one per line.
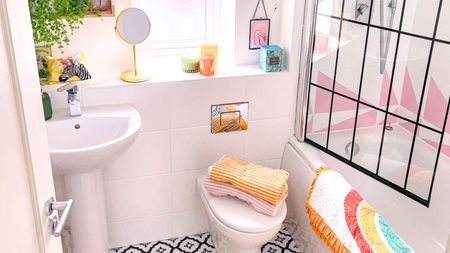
column 94, row 139
column 80, row 147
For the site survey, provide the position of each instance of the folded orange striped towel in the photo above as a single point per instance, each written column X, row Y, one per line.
column 262, row 182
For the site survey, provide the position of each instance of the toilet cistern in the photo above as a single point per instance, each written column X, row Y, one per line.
column 72, row 98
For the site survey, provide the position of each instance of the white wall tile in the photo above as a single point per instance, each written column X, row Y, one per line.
column 272, row 96
column 189, row 223
column 266, row 138
column 148, row 156
column 274, row 163
column 190, row 101
column 60, row 193
column 137, row 198
column 58, row 180
column 185, row 195
column 140, row 231
column 59, row 99
column 196, row 148
column 151, row 100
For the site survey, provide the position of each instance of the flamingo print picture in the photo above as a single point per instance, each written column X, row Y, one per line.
column 259, row 33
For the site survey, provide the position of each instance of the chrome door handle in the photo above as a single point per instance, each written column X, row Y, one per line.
column 56, row 224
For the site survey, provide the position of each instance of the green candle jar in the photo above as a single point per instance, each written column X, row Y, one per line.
column 190, row 63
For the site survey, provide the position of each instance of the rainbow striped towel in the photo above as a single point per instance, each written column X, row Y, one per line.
column 345, row 221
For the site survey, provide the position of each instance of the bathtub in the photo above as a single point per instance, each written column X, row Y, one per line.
column 427, row 230
column 395, row 156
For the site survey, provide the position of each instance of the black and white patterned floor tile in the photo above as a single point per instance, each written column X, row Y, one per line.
column 202, row 243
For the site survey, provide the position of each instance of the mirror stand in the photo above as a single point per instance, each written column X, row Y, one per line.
column 134, row 75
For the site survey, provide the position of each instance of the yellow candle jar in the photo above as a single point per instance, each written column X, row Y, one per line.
column 210, row 49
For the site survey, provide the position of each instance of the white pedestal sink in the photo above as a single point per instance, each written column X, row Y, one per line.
column 79, row 148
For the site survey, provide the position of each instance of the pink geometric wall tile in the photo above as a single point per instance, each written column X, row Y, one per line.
column 408, row 99
column 385, row 85
column 435, row 105
column 432, row 143
column 346, row 124
column 327, row 82
column 408, row 127
column 367, row 119
column 447, row 126
column 363, row 106
column 322, row 130
column 324, row 81
column 342, row 89
column 364, row 120
column 309, row 126
column 343, row 104
column 323, row 101
column 390, row 119
column 445, row 149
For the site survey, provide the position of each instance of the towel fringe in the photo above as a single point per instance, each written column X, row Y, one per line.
column 319, row 225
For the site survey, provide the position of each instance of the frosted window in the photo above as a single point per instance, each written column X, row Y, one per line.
column 175, row 20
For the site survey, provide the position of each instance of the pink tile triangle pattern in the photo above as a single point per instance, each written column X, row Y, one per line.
column 385, row 85
column 433, row 113
column 435, row 101
column 408, row 99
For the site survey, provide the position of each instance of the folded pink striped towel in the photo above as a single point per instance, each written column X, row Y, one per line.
column 224, row 189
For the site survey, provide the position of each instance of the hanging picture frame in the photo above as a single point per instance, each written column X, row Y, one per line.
column 259, row 29
column 259, row 33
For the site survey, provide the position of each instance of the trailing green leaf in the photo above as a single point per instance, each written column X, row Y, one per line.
column 53, row 21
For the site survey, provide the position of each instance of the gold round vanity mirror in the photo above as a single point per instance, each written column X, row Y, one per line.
column 133, row 27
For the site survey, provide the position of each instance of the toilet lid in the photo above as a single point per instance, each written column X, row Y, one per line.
column 240, row 216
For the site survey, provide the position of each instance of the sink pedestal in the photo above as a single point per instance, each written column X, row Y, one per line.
column 88, row 226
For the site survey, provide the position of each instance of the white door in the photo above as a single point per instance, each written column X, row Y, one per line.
column 25, row 172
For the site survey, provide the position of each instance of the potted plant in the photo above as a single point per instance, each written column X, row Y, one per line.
column 54, row 20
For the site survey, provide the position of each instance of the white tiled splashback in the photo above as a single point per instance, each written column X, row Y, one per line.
column 150, row 190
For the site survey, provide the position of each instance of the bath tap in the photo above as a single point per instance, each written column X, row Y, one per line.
column 72, row 98
column 360, row 9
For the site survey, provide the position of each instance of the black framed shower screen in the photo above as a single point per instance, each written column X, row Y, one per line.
column 339, row 113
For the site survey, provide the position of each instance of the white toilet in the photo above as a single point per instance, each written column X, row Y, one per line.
column 235, row 226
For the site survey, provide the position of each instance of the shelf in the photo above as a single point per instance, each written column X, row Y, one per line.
column 103, row 14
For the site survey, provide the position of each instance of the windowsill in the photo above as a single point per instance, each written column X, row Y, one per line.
column 164, row 70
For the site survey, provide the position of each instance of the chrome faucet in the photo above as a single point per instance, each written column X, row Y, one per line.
column 72, row 98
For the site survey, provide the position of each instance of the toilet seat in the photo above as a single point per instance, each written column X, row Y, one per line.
column 240, row 216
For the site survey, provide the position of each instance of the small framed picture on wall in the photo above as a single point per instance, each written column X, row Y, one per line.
column 259, row 33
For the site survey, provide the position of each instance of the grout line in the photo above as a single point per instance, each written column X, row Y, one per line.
column 170, row 91
column 153, row 176
column 206, row 126
column 136, row 178
column 138, row 219
column 249, row 113
column 173, row 173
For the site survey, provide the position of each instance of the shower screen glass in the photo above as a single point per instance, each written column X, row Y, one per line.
column 379, row 87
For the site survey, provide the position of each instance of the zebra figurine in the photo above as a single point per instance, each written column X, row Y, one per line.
column 74, row 68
